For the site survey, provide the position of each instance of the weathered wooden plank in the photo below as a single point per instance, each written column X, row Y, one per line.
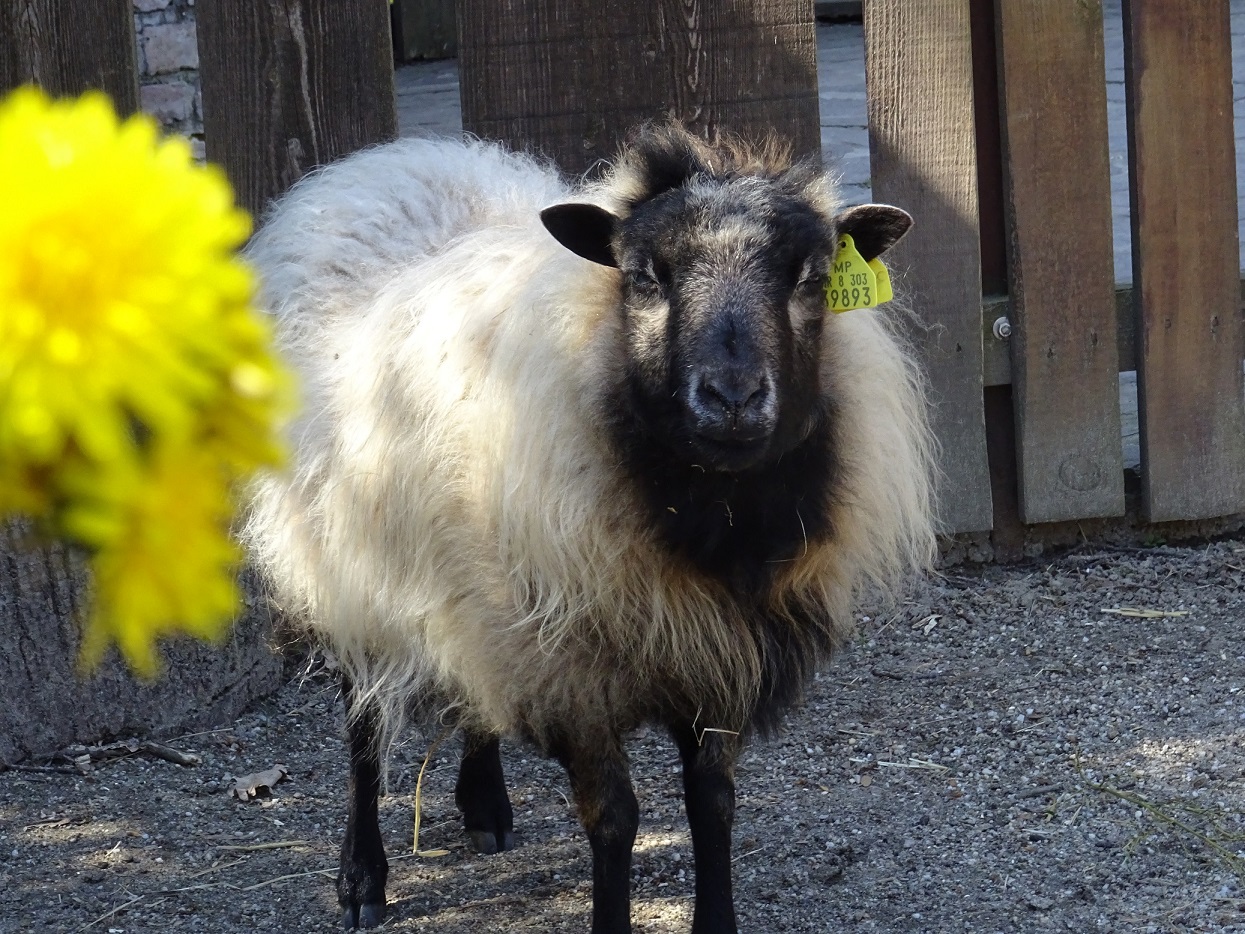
column 1178, row 73
column 68, row 46
column 919, row 71
column 569, row 78
column 292, row 84
column 1058, row 196
column 10, row 67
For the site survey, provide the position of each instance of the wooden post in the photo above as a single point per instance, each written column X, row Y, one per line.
column 568, row 78
column 1186, row 258
column 1065, row 368
column 919, row 71
column 292, row 84
column 68, row 46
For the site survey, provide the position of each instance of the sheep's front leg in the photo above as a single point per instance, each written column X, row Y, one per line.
column 481, row 794
column 364, row 869
column 709, row 793
column 601, row 781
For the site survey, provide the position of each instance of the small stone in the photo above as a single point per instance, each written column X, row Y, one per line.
column 1039, row 902
column 150, row 6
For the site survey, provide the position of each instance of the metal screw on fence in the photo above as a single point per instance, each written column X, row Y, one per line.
column 1002, row 328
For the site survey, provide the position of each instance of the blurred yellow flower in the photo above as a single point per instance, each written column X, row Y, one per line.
column 137, row 384
column 165, row 561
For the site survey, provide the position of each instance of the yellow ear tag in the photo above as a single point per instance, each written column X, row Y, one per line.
column 854, row 283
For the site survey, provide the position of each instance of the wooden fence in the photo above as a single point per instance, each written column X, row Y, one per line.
column 987, row 122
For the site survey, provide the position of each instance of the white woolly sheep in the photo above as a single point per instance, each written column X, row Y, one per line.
column 564, row 498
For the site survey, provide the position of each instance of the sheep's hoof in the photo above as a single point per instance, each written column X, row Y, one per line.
column 369, row 915
column 488, row 843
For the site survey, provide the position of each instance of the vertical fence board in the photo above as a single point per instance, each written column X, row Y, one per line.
column 919, row 71
column 1058, row 196
column 10, row 49
column 568, row 78
column 68, row 46
column 1186, row 258
column 292, row 84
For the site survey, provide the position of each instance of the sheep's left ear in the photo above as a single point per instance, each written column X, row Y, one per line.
column 584, row 229
column 874, row 228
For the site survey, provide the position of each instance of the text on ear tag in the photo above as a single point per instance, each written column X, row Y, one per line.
column 854, row 283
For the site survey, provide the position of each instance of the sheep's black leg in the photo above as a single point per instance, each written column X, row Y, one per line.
column 601, row 782
column 481, row 795
column 364, row 869
column 709, row 793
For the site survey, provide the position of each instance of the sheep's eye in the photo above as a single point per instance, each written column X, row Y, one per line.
column 811, row 278
column 646, row 279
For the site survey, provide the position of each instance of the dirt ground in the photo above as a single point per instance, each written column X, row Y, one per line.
column 1001, row 753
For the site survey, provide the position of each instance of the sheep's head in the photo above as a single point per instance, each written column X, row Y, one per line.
column 723, row 255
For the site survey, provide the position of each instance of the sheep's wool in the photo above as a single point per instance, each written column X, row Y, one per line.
column 455, row 523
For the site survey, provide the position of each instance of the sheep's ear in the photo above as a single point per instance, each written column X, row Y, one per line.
column 584, row 229
column 875, row 228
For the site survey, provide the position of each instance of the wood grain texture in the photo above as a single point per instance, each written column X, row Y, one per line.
column 569, row 78
column 289, row 85
column 1057, row 185
column 1186, row 259
column 69, row 46
column 919, row 71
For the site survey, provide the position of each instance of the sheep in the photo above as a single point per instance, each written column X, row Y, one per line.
column 578, row 458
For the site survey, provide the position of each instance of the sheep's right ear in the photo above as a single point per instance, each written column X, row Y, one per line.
column 584, row 229
column 875, row 228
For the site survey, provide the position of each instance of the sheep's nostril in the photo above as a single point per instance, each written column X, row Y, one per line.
column 730, row 395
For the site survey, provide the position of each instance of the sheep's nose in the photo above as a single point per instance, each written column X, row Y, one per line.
column 732, row 403
column 730, row 393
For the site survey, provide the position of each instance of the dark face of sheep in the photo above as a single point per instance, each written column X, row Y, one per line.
column 722, row 285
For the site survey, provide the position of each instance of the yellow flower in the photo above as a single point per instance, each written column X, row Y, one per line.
column 117, row 274
column 127, row 341
column 166, row 561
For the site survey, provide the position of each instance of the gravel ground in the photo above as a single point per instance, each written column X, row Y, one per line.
column 1000, row 754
